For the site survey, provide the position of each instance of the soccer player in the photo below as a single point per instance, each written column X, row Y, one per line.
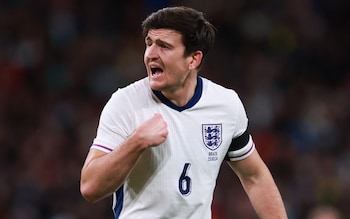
column 161, row 140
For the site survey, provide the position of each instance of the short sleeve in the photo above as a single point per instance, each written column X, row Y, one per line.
column 242, row 144
column 114, row 123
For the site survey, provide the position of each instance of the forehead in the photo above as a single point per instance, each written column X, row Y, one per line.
column 164, row 34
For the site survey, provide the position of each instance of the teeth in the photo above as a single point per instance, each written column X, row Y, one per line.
column 155, row 69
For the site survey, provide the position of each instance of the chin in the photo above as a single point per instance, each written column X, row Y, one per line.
column 155, row 85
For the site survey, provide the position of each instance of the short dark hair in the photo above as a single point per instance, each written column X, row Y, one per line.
column 197, row 33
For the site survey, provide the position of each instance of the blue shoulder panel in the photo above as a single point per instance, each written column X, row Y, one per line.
column 119, row 202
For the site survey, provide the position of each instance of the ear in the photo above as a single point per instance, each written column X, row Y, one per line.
column 196, row 59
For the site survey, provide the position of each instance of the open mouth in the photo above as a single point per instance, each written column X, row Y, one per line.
column 156, row 71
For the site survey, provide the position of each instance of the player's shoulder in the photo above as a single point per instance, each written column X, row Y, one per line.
column 135, row 89
column 135, row 86
column 216, row 89
column 137, row 93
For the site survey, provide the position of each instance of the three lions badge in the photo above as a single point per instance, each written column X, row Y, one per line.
column 212, row 135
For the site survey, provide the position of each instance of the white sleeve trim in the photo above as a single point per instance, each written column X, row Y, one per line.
column 101, row 148
column 242, row 153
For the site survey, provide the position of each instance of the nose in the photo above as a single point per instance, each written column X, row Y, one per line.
column 151, row 52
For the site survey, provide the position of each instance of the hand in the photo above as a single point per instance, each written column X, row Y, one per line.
column 153, row 132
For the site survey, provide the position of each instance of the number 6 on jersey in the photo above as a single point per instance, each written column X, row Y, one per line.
column 185, row 181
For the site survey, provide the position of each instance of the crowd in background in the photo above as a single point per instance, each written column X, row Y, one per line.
column 60, row 60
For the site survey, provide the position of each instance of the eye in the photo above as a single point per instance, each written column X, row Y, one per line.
column 148, row 42
column 164, row 46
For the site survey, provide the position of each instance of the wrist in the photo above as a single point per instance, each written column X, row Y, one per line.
column 138, row 141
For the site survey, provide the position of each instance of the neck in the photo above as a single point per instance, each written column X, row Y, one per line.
column 182, row 95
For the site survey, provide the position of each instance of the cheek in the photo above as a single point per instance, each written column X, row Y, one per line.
column 178, row 62
column 182, row 66
column 145, row 61
column 177, row 71
column 144, row 56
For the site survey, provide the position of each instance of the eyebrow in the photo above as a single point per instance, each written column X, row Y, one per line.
column 158, row 41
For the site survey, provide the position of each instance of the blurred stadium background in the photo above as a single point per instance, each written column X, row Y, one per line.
column 60, row 60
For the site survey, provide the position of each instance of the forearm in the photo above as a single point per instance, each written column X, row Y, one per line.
column 105, row 173
column 265, row 197
column 260, row 187
column 102, row 173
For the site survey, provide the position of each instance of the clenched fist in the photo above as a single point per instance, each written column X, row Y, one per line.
column 153, row 132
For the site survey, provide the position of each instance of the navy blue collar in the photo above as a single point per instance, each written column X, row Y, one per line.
column 197, row 95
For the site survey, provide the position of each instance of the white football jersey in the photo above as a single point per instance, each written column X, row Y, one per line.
column 177, row 178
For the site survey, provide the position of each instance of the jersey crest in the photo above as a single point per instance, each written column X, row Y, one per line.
column 212, row 135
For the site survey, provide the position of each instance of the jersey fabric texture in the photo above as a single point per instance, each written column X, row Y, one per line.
column 177, row 178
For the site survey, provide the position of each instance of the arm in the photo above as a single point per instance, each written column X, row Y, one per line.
column 103, row 173
column 260, row 187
